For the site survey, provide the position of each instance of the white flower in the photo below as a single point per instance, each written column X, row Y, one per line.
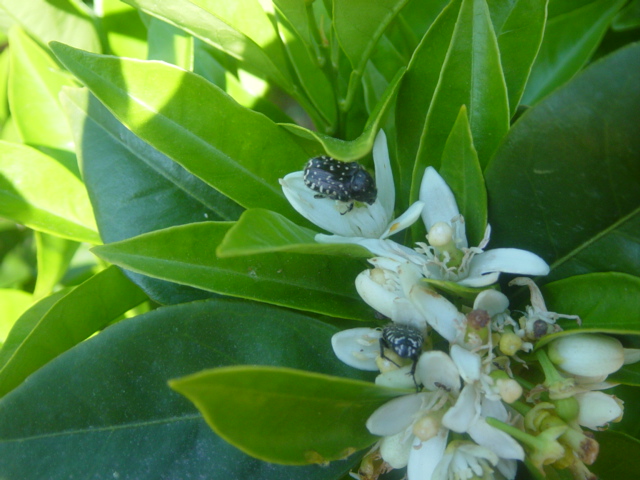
column 364, row 221
column 358, row 347
column 448, row 256
column 465, row 460
column 587, row 354
column 598, row 409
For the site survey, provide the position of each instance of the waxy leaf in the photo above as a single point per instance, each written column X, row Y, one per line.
column 283, row 415
column 240, row 28
column 564, row 184
column 618, row 457
column 105, row 406
column 65, row 21
column 53, row 257
column 262, row 231
column 34, row 84
column 238, row 152
column 136, row 189
column 41, row 334
column 187, row 255
column 14, row 303
column 359, row 147
column 605, row 302
column 461, row 170
column 125, row 31
column 37, row 191
column 570, row 38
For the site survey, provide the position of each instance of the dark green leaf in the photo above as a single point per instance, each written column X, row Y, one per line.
column 564, row 182
column 186, row 255
column 461, row 170
column 238, row 152
column 605, row 302
column 312, row 418
column 629, row 17
column 618, row 456
column 262, row 231
column 627, row 375
column 43, row 333
column 570, row 38
column 136, row 189
column 105, row 406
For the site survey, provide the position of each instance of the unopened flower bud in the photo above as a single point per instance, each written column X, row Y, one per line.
column 440, row 234
column 509, row 389
column 587, row 354
column 597, row 409
column 427, row 427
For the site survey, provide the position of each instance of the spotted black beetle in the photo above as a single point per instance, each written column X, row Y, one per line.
column 406, row 341
column 344, row 181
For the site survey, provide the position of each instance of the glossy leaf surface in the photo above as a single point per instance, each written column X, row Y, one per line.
column 95, row 432
column 312, row 418
column 187, row 255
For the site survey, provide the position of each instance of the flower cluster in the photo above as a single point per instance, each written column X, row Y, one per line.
column 467, row 415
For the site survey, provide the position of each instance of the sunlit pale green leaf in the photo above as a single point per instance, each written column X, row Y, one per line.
column 605, row 302
column 461, row 170
column 312, row 418
column 53, row 256
column 262, row 231
column 240, row 28
column 195, row 124
column 14, row 303
column 37, row 191
column 135, row 189
column 187, row 255
column 126, row 33
column 105, row 405
column 570, row 38
column 170, row 44
column 564, row 182
column 358, row 148
column 41, row 334
column 65, row 21
column 34, row 84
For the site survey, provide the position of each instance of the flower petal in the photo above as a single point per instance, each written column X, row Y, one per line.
column 368, row 221
column 492, row 301
column 597, row 409
column 459, row 417
column 358, row 347
column 394, row 416
column 395, row 449
column 495, row 440
column 399, row 378
column 405, row 220
column 469, row 363
column 425, row 456
column 440, row 203
column 436, row 370
column 384, row 175
column 505, row 260
column 441, row 314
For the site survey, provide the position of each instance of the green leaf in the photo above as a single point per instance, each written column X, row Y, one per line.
column 564, row 182
column 627, row 375
column 135, row 189
column 49, row 329
column 186, row 255
column 605, row 302
column 314, row 82
column 358, row 38
column 14, row 303
column 53, row 255
column 519, row 27
column 105, row 405
column 40, row 193
column 34, row 84
column 570, row 38
column 170, row 44
column 262, row 231
column 64, row 21
column 242, row 29
column 628, row 18
column 240, row 153
column 311, row 418
column 618, row 457
column 126, row 33
column 358, row 148
column 417, row 89
column 461, row 170
column 471, row 75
